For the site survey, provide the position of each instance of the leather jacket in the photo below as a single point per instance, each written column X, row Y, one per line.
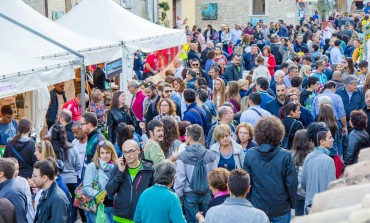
column 116, row 116
column 357, row 140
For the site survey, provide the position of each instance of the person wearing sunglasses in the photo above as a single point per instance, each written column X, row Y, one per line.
column 128, row 180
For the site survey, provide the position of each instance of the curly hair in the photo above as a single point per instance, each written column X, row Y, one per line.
column 181, row 82
column 170, row 133
column 170, row 103
column 301, row 147
column 358, row 119
column 269, row 130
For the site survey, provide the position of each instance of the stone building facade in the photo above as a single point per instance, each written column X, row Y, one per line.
column 242, row 11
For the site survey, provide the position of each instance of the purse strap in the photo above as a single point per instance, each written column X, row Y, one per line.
column 18, row 155
column 291, row 127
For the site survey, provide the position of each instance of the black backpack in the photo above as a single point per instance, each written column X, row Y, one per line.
column 198, row 182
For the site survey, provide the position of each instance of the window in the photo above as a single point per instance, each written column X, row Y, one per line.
column 258, row 7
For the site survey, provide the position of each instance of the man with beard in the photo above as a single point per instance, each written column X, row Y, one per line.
column 89, row 125
column 234, row 71
column 153, row 151
column 274, row 106
column 185, row 166
column 151, row 93
column 128, row 180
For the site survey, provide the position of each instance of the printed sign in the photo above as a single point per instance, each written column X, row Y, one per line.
column 113, row 68
column 8, row 89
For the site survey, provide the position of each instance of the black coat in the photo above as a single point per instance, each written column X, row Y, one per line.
column 99, row 79
column 357, row 140
column 26, row 149
column 203, row 57
column 288, row 123
column 116, row 116
column 273, row 179
column 232, row 73
column 128, row 191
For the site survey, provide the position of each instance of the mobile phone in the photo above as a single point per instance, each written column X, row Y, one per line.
column 124, row 159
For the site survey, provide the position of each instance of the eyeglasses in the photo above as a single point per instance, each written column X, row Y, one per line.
column 131, row 151
column 101, row 143
column 83, row 123
column 167, row 91
column 165, row 105
column 34, row 175
column 195, row 64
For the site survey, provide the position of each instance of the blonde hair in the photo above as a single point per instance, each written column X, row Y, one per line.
column 215, row 92
column 46, row 149
column 221, row 131
column 107, row 145
column 304, row 72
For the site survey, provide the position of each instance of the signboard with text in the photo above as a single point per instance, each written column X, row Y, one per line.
column 113, row 68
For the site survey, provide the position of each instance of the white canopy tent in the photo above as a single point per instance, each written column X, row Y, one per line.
column 21, row 74
column 19, row 41
column 105, row 19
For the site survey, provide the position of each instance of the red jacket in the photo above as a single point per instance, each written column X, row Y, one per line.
column 271, row 64
column 76, row 109
column 137, row 105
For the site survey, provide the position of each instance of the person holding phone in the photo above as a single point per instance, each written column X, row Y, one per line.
column 130, row 177
column 100, row 170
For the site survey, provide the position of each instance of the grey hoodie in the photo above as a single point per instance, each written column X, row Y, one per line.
column 185, row 166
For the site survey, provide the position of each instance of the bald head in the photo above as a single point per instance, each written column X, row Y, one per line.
column 130, row 144
column 210, row 44
column 193, row 46
column 177, row 62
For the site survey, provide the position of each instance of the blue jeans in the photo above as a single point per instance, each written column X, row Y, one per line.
column 193, row 204
column 281, row 219
column 139, row 74
column 91, row 217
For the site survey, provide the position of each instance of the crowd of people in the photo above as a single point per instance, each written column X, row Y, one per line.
column 251, row 123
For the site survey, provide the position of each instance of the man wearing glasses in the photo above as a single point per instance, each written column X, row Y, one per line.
column 192, row 54
column 89, row 124
column 130, row 177
column 195, row 65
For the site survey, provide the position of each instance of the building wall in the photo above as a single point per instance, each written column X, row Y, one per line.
column 239, row 12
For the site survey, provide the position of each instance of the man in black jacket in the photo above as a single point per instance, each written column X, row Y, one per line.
column 275, row 51
column 130, row 177
column 192, row 54
column 234, row 71
column 53, row 205
column 272, row 170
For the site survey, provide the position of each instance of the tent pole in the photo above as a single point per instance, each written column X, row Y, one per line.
column 29, row 29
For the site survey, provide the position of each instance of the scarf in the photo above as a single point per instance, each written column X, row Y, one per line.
column 221, row 193
column 323, row 150
column 107, row 167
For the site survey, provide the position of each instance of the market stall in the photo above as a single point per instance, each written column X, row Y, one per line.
column 104, row 19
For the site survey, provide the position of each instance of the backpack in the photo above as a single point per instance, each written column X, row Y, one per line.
column 198, row 182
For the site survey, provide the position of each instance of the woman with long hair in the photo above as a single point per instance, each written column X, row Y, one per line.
column 326, row 115
column 171, row 143
column 166, row 107
column 97, row 175
column 67, row 153
column 244, row 136
column 97, row 105
column 179, row 85
column 318, row 168
column 245, row 43
column 301, row 147
column 219, row 55
column 219, row 91
column 233, row 95
column 348, row 68
column 118, row 113
column 290, row 114
column 269, row 60
column 22, row 147
column 124, row 133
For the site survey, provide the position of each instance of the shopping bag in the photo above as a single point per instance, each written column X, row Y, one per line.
column 100, row 216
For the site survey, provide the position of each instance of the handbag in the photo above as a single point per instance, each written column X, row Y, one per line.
column 83, row 201
column 338, row 166
column 285, row 142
